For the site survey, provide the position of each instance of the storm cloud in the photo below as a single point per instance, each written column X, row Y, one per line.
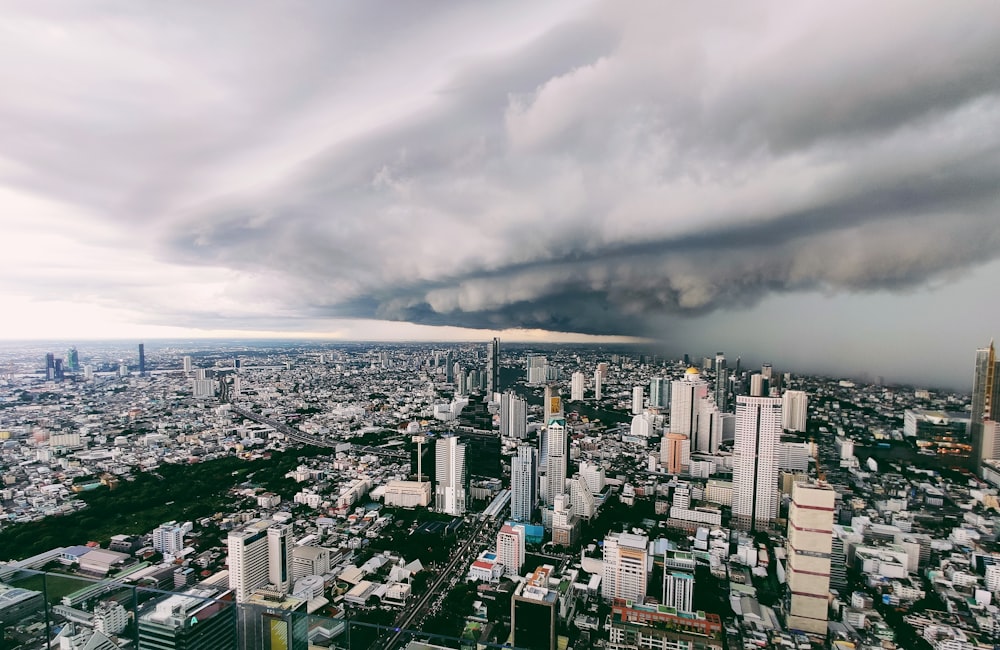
column 595, row 169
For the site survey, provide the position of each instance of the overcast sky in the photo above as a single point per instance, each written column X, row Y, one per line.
column 811, row 183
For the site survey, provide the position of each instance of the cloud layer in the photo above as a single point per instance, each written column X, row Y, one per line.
column 593, row 169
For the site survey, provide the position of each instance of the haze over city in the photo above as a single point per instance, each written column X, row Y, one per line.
column 811, row 184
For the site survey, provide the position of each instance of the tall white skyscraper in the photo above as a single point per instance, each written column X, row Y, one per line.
column 187, row 364
column 625, row 573
column 576, row 387
column 598, row 384
column 638, row 396
column 449, row 494
column 251, row 551
column 810, row 544
column 279, row 556
column 659, row 393
column 755, row 461
column 524, row 483
column 709, row 433
column 556, row 460
column 685, row 395
column 513, row 416
column 794, row 407
column 510, row 548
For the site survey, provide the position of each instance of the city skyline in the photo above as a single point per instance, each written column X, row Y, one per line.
column 773, row 182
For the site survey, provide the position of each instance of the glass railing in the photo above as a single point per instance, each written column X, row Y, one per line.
column 48, row 609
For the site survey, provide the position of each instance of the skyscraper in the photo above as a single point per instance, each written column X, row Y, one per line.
column 721, row 388
column 598, row 385
column 524, row 483
column 279, row 556
column 251, row 550
column 556, row 459
column 625, row 573
column 493, row 369
column 576, row 387
column 709, row 427
column 794, row 407
column 685, row 395
column 510, row 548
column 638, row 395
column 72, row 359
column 985, row 400
column 449, row 492
column 513, row 416
column 810, row 543
column 142, row 360
column 755, row 461
column 659, row 393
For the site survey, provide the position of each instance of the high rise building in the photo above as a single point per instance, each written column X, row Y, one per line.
column 685, row 395
column 450, row 491
column 513, row 416
column 50, row 365
column 659, row 393
column 196, row 619
column 510, row 548
column 678, row 590
column 675, row 453
column 709, row 433
column 576, row 387
column 168, row 538
column 187, row 364
column 524, row 484
column 493, row 368
column 257, row 555
column 755, row 461
column 598, row 385
column 985, row 400
column 581, row 498
column 533, row 612
column 553, row 403
column 449, row 368
column 721, row 388
column 757, row 385
column 638, row 396
column 810, row 539
column 625, row 573
column 537, row 365
column 142, row 360
column 794, row 407
column 556, row 459
column 72, row 359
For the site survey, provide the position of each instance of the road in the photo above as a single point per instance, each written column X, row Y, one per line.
column 458, row 561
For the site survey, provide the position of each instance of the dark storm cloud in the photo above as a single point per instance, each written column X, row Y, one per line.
column 629, row 162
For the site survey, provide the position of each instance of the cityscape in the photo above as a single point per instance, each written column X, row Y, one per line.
column 305, row 495
column 572, row 325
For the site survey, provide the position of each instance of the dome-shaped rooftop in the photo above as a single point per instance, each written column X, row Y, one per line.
column 693, row 371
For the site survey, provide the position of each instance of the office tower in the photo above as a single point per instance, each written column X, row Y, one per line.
column 279, row 556
column 536, row 369
column 709, row 433
column 638, row 395
column 722, row 389
column 196, row 619
column 533, row 612
column 187, row 364
column 72, row 360
column 598, row 385
column 309, row 561
column 88, row 372
column 755, row 461
column 510, row 548
column 248, row 558
column 675, row 453
column 565, row 523
column 493, row 368
column 602, row 368
column 989, row 446
column 50, row 365
column 142, row 360
column 449, row 368
column 625, row 573
column 553, row 404
column 576, row 387
column 449, row 493
column 794, row 406
column 57, row 372
column 556, row 459
column 767, row 374
column 581, row 498
column 659, row 393
column 593, row 475
column 810, row 538
column 524, row 483
column 757, row 384
column 685, row 394
column 513, row 416
column 678, row 590
column 462, row 381
column 985, row 400
column 482, row 453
